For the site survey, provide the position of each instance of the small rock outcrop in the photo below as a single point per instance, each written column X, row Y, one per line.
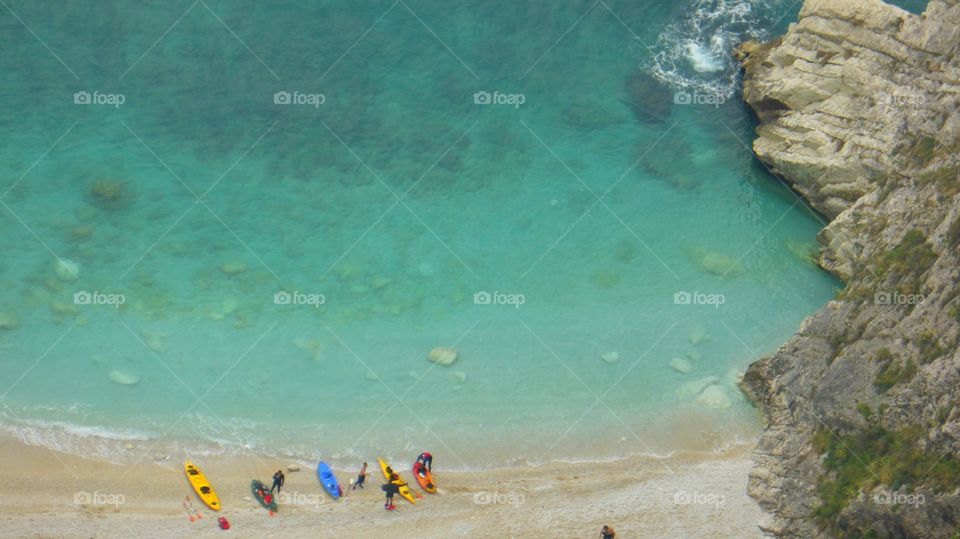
column 859, row 109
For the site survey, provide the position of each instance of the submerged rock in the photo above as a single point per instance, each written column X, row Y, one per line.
column 714, row 397
column 110, row 195
column 9, row 320
column 648, row 99
column 67, row 270
column 681, row 365
column 442, row 355
column 697, row 335
column 696, row 387
column 606, row 278
column 124, row 378
column 233, row 267
column 459, row 376
column 805, row 251
column 610, row 357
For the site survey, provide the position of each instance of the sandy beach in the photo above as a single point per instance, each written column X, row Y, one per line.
column 49, row 494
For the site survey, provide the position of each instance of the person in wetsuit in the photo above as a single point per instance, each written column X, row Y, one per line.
column 278, row 479
column 427, row 460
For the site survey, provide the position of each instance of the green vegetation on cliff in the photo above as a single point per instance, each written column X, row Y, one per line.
column 862, row 460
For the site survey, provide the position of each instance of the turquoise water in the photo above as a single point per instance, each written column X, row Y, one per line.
column 384, row 207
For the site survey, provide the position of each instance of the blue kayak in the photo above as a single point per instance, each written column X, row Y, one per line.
column 329, row 482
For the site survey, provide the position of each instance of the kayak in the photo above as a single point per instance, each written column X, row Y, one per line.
column 329, row 482
column 201, row 486
column 405, row 491
column 424, row 479
column 263, row 495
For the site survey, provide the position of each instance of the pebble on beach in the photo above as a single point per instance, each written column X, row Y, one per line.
column 293, row 468
column 443, row 355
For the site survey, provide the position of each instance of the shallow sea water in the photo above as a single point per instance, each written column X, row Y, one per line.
column 297, row 202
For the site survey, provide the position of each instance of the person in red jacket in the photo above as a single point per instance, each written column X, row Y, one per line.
column 426, row 459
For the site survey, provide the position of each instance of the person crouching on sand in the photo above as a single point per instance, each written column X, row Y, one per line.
column 278, row 479
column 607, row 532
column 361, row 477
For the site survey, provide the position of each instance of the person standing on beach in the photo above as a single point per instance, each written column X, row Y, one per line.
column 427, row 460
column 390, row 489
column 361, row 477
column 607, row 532
column 278, row 479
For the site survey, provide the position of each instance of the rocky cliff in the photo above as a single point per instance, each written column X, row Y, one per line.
column 859, row 108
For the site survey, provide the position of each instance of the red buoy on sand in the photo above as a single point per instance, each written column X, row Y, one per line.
column 224, row 525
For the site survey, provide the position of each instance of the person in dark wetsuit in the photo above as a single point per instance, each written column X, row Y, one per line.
column 427, row 460
column 361, row 477
column 278, row 479
column 607, row 533
column 390, row 489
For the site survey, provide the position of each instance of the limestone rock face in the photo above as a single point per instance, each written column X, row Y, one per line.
column 859, row 109
column 840, row 95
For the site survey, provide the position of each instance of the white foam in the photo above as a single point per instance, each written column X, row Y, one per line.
column 693, row 54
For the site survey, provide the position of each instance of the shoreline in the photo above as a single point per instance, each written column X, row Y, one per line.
column 686, row 494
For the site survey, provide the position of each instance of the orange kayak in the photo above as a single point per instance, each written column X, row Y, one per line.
column 424, row 479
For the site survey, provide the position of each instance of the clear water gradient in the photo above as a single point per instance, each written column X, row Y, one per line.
column 234, row 225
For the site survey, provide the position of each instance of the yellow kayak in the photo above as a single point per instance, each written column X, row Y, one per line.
column 201, row 486
column 404, row 489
